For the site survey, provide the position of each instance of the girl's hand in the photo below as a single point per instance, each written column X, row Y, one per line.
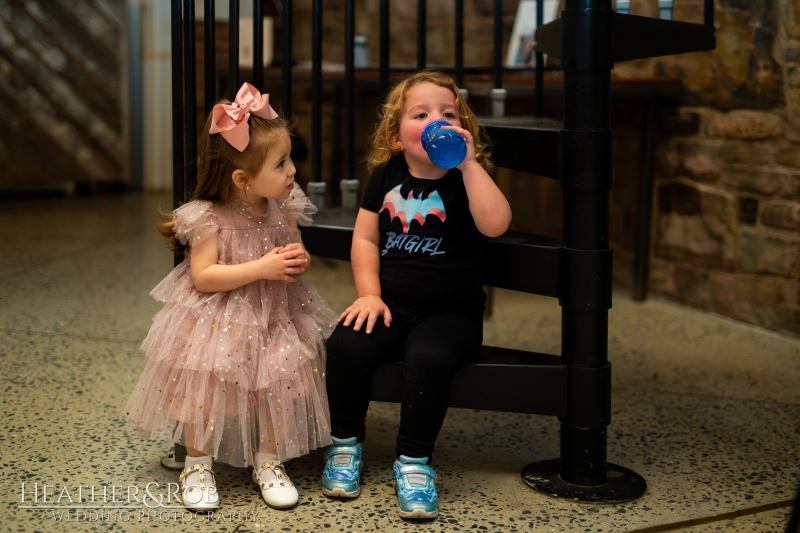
column 283, row 263
column 487, row 204
column 295, row 246
column 467, row 136
column 366, row 308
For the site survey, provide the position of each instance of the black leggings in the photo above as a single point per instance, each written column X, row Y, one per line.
column 432, row 351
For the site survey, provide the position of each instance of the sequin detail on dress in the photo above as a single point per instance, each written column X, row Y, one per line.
column 244, row 367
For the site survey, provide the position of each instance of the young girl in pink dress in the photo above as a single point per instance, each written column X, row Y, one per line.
column 236, row 357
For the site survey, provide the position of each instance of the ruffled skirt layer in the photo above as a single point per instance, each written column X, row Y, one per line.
column 238, row 372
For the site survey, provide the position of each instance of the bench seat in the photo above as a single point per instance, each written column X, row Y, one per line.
column 532, row 383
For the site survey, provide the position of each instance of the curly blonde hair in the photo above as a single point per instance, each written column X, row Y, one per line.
column 382, row 149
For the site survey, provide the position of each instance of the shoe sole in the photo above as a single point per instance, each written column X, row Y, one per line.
column 339, row 492
column 418, row 514
column 282, row 506
column 202, row 508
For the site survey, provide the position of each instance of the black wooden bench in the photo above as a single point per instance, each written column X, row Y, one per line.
column 575, row 385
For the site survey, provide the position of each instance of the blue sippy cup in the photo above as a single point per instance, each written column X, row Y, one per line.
column 446, row 149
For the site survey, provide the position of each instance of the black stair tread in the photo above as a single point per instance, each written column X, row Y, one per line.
column 524, row 237
column 525, row 143
column 637, row 37
column 494, row 355
column 515, row 369
column 499, row 356
column 522, row 122
column 338, row 218
column 519, row 261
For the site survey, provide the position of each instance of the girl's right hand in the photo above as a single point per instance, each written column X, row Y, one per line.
column 366, row 309
column 283, row 263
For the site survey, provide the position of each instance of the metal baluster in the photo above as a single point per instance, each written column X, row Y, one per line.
column 176, row 458
column 538, row 94
column 286, row 61
column 348, row 184
column 459, row 45
column 384, row 52
column 233, row 50
column 177, row 110
column 499, row 93
column 422, row 26
column 190, row 97
column 209, row 65
column 708, row 13
column 258, row 45
column 316, row 188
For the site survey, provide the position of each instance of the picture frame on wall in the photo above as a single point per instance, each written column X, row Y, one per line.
column 520, row 52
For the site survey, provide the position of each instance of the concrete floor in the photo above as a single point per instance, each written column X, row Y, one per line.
column 707, row 410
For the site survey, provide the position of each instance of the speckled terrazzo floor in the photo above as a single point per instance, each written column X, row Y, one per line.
column 706, row 409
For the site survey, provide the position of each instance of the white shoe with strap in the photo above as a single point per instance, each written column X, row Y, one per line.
column 198, row 486
column 276, row 487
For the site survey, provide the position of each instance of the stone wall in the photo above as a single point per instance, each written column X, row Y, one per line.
column 726, row 227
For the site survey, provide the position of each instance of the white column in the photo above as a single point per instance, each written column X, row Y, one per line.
column 157, row 97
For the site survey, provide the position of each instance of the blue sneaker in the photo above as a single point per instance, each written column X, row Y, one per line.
column 416, row 494
column 342, row 475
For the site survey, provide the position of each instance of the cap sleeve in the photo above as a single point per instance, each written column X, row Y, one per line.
column 195, row 222
column 298, row 207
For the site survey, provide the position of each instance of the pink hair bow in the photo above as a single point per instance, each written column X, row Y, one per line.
column 231, row 119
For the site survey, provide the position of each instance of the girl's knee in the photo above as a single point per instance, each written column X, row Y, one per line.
column 346, row 347
column 431, row 363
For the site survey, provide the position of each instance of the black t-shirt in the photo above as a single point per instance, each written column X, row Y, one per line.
column 432, row 254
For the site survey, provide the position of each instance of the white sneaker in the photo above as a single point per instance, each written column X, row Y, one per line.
column 276, row 487
column 198, row 486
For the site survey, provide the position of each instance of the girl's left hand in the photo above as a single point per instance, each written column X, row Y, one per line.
column 296, row 249
column 283, row 263
column 470, row 142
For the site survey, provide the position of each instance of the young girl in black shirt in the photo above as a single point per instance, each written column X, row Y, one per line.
column 418, row 253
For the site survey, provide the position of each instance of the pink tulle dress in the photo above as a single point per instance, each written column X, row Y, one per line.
column 243, row 369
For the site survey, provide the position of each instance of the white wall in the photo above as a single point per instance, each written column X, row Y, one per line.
column 157, row 95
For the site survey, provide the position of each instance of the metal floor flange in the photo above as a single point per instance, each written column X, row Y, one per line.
column 622, row 485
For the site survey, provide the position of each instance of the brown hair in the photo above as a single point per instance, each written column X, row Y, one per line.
column 382, row 149
column 217, row 160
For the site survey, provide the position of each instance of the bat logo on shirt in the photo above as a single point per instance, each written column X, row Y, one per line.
column 410, row 208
